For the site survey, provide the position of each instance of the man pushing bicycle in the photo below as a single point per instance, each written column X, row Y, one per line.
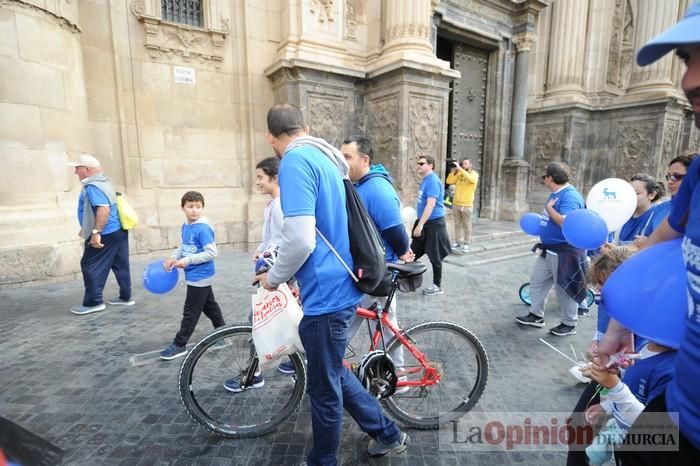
column 313, row 196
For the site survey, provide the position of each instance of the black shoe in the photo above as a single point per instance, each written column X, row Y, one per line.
column 584, row 311
column 531, row 319
column 563, row 330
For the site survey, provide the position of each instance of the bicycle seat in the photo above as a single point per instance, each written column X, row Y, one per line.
column 411, row 269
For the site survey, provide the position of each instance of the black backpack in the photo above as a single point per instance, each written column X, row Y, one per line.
column 366, row 246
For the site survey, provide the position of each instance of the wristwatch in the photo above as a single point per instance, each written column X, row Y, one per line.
column 96, row 232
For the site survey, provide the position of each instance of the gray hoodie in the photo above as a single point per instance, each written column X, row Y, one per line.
column 102, row 183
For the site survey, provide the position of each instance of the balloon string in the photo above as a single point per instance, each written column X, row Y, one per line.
column 567, row 357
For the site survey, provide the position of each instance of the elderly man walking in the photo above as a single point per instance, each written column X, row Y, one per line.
column 106, row 243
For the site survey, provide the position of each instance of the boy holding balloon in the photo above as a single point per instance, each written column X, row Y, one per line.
column 196, row 255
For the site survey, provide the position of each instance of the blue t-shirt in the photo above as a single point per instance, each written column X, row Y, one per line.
column 568, row 200
column 682, row 393
column 431, row 186
column 661, row 211
column 194, row 237
column 647, row 378
column 383, row 206
column 98, row 198
column 310, row 185
column 642, row 225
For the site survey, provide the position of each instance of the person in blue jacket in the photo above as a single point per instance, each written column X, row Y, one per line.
column 376, row 189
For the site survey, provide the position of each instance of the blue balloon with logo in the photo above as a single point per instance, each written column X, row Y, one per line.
column 648, row 294
column 158, row 280
column 585, row 229
column 530, row 223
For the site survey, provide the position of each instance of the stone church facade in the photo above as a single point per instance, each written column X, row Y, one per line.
column 171, row 95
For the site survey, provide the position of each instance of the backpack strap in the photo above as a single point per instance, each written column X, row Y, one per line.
column 330, row 246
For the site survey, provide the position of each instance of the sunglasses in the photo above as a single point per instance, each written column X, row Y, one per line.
column 421, row 163
column 544, row 176
column 674, row 177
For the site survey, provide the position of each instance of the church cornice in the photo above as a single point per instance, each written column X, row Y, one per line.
column 60, row 20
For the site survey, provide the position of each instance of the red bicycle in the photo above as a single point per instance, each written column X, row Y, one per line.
column 442, row 375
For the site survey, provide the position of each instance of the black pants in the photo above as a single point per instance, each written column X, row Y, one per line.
column 687, row 454
column 199, row 299
column 96, row 264
column 435, row 243
column 577, row 451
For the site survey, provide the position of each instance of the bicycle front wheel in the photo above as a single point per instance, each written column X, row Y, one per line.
column 459, row 358
column 227, row 353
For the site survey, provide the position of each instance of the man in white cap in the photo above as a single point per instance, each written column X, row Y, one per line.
column 681, row 399
column 106, row 242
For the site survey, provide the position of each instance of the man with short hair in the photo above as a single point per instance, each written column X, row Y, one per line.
column 106, row 243
column 430, row 231
column 375, row 188
column 313, row 198
column 558, row 263
column 465, row 180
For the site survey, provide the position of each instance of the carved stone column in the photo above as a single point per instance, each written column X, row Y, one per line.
column 567, row 46
column 652, row 19
column 407, row 28
column 522, row 42
column 408, row 25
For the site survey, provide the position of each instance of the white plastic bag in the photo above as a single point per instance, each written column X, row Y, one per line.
column 276, row 316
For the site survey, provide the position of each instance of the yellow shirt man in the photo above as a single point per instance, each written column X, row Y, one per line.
column 465, row 180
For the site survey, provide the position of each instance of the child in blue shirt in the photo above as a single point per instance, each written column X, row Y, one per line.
column 196, row 255
column 625, row 399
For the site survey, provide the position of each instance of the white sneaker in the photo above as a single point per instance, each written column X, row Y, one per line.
column 465, row 248
column 432, row 290
column 402, row 390
column 120, row 302
column 456, row 246
column 82, row 310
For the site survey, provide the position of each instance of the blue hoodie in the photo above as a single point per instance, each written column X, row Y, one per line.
column 377, row 192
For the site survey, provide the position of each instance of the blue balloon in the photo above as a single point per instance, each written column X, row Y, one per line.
column 157, row 280
column 530, row 223
column 585, row 229
column 648, row 294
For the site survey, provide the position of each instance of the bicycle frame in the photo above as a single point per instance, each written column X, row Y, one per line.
column 431, row 376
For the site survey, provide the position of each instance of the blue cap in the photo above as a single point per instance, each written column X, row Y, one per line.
column 686, row 31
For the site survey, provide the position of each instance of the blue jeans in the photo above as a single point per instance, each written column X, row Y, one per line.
column 332, row 387
column 96, row 264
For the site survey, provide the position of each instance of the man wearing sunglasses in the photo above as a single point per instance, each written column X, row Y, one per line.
column 430, row 231
column 558, row 261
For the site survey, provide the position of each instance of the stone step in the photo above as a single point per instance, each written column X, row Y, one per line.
column 497, row 247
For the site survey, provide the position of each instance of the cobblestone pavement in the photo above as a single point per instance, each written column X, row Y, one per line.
column 71, row 379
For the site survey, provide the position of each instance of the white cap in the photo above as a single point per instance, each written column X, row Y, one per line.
column 85, row 160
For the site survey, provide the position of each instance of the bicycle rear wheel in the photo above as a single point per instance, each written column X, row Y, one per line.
column 590, row 298
column 524, row 293
column 226, row 353
column 463, row 364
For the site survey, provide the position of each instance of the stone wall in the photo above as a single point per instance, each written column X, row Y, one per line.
column 599, row 144
column 165, row 107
